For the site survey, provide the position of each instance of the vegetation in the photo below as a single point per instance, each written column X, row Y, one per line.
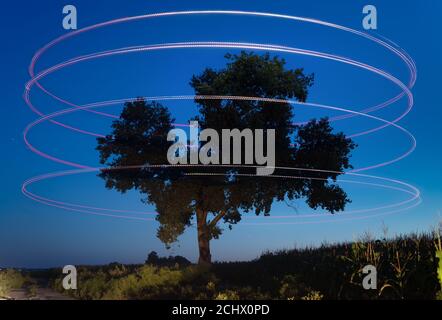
column 154, row 259
column 11, row 279
column 438, row 245
column 406, row 268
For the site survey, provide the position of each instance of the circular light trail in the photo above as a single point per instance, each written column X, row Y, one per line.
column 392, row 48
column 347, row 113
column 75, row 109
column 386, row 43
column 187, row 45
column 404, row 188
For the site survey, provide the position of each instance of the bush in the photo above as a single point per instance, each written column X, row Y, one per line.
column 10, row 279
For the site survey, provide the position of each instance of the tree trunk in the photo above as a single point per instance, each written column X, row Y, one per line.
column 205, row 257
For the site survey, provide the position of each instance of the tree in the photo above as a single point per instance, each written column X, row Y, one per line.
column 139, row 138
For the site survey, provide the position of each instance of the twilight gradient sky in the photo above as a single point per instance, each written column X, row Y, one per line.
column 34, row 235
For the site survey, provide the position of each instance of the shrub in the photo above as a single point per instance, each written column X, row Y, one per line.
column 10, row 279
column 227, row 295
column 314, row 295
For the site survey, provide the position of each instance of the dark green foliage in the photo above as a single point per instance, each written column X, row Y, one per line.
column 154, row 260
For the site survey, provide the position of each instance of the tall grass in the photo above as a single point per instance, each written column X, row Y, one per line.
column 405, row 266
column 10, row 279
column 438, row 246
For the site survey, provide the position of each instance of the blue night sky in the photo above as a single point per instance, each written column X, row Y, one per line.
column 35, row 235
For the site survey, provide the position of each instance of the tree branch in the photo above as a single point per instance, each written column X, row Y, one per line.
column 216, row 219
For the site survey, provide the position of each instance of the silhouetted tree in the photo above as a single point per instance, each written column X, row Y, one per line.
column 171, row 261
column 139, row 138
column 152, row 258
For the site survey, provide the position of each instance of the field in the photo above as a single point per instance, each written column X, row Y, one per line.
column 408, row 267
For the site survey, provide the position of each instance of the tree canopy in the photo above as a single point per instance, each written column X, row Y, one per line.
column 139, row 139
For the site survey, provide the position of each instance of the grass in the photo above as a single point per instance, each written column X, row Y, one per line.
column 438, row 246
column 11, row 279
column 407, row 268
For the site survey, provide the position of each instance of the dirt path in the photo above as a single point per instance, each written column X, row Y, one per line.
column 49, row 294
column 41, row 292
